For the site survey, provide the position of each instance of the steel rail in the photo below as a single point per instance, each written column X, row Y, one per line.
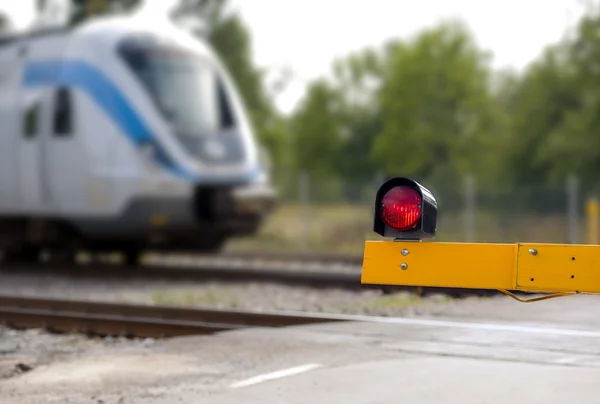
column 128, row 320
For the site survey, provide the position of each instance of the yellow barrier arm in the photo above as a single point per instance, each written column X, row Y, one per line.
column 544, row 268
column 407, row 212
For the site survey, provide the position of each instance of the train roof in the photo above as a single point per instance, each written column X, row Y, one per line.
column 9, row 39
column 111, row 28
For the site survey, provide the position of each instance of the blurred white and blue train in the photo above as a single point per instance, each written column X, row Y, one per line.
column 113, row 136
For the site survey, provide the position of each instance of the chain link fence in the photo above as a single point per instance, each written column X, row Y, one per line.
column 335, row 216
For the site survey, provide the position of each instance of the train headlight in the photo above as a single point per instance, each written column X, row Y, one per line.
column 404, row 209
column 263, row 177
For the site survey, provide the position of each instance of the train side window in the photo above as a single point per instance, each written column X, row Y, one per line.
column 30, row 124
column 63, row 113
column 226, row 113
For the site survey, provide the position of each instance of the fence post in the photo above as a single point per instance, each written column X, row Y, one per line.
column 572, row 213
column 592, row 220
column 469, row 213
column 304, row 193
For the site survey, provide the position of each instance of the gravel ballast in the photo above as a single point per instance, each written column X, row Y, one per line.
column 244, row 296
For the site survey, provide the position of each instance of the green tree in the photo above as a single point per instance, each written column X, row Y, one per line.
column 316, row 138
column 556, row 111
column 438, row 115
column 539, row 110
column 357, row 83
column 573, row 145
column 335, row 124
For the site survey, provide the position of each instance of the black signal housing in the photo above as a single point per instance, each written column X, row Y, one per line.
column 425, row 226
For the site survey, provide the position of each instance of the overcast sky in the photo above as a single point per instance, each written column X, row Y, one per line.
column 307, row 35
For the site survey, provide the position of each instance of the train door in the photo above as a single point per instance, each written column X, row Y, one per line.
column 65, row 158
column 33, row 116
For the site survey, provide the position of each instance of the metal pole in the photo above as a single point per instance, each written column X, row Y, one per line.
column 469, row 213
column 572, row 214
column 304, row 201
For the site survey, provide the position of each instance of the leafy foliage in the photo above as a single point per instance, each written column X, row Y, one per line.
column 435, row 105
column 80, row 10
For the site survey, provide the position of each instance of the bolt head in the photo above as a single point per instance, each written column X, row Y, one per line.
column 533, row 251
column 404, row 252
column 404, row 266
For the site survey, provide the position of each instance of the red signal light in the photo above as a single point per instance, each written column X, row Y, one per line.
column 401, row 208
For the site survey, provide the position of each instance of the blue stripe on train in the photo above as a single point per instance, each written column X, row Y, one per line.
column 106, row 95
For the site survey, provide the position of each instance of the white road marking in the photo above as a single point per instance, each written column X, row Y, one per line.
column 570, row 359
column 490, row 326
column 457, row 324
column 276, row 375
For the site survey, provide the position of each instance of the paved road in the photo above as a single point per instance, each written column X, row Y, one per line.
column 427, row 380
column 495, row 351
column 492, row 351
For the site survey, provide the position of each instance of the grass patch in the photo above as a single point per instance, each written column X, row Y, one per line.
column 211, row 298
column 340, row 229
column 395, row 300
column 344, row 228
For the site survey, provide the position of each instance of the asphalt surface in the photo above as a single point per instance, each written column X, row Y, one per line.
column 491, row 351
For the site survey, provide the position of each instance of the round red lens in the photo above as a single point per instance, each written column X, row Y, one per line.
column 401, row 208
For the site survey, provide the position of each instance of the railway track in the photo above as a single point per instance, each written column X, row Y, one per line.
column 95, row 318
column 237, row 269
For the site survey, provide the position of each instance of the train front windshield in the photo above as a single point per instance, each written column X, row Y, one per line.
column 186, row 89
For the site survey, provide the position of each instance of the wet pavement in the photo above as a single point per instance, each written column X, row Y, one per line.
column 491, row 351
